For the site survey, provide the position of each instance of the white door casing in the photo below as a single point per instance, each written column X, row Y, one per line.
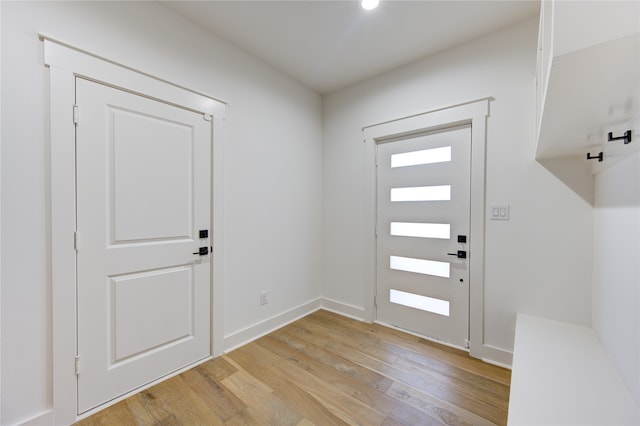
column 422, row 215
column 65, row 63
column 143, row 195
column 474, row 113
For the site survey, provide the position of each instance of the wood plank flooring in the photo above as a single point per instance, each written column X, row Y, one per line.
column 325, row 369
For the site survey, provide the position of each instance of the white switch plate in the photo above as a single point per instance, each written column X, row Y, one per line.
column 499, row 211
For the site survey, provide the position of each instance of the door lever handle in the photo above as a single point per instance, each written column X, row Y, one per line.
column 461, row 254
column 202, row 251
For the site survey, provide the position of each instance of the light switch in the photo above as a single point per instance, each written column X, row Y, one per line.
column 499, row 212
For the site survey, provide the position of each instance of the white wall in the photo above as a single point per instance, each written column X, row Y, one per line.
column 273, row 171
column 616, row 267
column 290, row 201
column 535, row 263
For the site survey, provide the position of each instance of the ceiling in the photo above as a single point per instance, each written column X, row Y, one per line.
column 330, row 44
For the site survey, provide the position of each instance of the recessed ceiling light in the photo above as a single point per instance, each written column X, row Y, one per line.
column 370, row 4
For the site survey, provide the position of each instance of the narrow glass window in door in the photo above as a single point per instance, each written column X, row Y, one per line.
column 417, row 301
column 420, row 266
column 422, row 193
column 424, row 156
column 421, row 230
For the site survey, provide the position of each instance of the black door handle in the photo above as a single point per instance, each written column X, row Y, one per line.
column 202, row 251
column 461, row 254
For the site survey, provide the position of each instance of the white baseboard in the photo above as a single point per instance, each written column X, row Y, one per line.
column 253, row 332
column 496, row 356
column 41, row 419
column 344, row 309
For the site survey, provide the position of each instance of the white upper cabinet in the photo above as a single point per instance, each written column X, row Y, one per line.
column 588, row 79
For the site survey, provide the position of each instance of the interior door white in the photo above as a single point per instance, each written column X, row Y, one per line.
column 423, row 221
column 143, row 196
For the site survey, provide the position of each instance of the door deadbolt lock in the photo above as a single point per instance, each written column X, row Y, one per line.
column 202, row 251
column 460, row 254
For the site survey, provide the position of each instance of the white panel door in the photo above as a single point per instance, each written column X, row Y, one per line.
column 143, row 196
column 422, row 218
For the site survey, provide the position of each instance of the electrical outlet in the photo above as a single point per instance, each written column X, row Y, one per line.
column 263, row 298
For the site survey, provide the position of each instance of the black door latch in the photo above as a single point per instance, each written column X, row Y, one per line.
column 202, row 251
column 461, row 254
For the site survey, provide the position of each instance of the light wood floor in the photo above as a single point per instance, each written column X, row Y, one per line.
column 325, row 369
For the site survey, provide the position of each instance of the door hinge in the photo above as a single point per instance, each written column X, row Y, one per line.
column 207, row 117
column 77, row 365
column 76, row 243
column 76, row 115
column 467, row 343
column 375, row 301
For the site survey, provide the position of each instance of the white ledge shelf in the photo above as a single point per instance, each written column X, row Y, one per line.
column 562, row 376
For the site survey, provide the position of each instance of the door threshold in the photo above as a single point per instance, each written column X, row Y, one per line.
column 422, row 336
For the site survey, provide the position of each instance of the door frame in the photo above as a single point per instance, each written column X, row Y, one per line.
column 474, row 113
column 65, row 63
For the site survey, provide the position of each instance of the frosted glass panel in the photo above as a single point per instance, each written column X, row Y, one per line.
column 420, row 266
column 425, row 156
column 421, row 230
column 424, row 303
column 422, row 193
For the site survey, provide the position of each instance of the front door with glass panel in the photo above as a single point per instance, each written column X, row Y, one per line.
column 423, row 221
